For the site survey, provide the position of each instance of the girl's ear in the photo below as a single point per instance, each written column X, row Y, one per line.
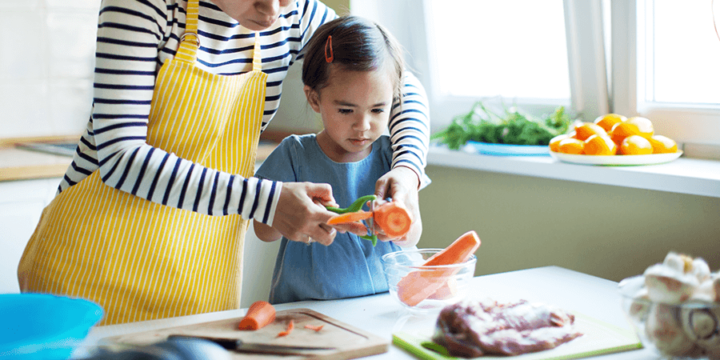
column 313, row 98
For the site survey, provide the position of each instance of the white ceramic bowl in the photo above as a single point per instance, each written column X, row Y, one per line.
column 443, row 285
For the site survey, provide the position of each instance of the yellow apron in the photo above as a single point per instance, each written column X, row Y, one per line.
column 141, row 260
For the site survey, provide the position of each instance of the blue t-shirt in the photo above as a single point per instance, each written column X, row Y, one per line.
column 350, row 266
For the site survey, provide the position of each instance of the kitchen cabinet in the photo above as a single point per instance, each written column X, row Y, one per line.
column 21, row 203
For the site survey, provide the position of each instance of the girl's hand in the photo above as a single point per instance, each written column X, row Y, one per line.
column 401, row 184
column 299, row 217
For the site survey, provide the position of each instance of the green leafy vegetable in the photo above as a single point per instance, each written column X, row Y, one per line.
column 482, row 125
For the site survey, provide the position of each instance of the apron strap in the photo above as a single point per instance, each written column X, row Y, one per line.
column 257, row 60
column 189, row 41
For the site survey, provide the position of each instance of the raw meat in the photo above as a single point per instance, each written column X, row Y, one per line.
column 477, row 328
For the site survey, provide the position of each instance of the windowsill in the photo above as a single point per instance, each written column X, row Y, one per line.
column 684, row 175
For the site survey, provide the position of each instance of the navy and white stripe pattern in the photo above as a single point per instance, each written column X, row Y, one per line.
column 136, row 37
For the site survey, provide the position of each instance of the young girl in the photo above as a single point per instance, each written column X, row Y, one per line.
column 353, row 71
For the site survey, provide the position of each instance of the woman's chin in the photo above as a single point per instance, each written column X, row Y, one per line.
column 257, row 25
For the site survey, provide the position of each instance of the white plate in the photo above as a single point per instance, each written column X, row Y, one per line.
column 617, row 160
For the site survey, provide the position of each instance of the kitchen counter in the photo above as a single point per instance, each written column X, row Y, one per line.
column 22, row 164
column 381, row 315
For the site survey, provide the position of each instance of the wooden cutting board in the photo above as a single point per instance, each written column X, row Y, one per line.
column 349, row 342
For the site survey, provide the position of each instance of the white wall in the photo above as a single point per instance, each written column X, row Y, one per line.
column 46, row 66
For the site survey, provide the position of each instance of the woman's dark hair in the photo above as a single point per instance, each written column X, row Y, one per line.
column 358, row 44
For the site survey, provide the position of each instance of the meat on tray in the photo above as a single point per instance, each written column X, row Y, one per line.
column 486, row 327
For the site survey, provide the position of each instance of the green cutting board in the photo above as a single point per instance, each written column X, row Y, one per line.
column 598, row 338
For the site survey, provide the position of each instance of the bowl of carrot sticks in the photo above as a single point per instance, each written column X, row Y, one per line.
column 430, row 279
column 421, row 287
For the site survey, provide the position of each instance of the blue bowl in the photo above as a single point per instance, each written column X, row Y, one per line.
column 41, row 326
column 506, row 149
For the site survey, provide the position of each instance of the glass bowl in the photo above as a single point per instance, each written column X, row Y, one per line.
column 426, row 288
column 690, row 330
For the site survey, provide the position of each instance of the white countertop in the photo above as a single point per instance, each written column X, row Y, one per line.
column 381, row 315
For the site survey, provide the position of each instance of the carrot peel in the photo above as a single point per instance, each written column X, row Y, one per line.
column 350, row 217
column 290, row 327
column 313, row 327
column 260, row 314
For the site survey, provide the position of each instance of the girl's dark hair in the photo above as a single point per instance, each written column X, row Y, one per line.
column 358, row 44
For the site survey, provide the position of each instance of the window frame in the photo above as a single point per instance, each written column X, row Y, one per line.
column 697, row 132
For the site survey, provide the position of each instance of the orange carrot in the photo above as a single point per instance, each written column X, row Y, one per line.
column 313, row 327
column 289, row 329
column 258, row 315
column 419, row 285
column 350, row 217
column 393, row 219
column 448, row 290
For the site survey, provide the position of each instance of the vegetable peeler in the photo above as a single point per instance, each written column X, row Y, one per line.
column 357, row 206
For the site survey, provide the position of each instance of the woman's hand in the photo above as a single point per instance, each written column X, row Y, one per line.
column 401, row 184
column 300, row 214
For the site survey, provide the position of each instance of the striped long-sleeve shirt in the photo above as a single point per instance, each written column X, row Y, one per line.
column 135, row 37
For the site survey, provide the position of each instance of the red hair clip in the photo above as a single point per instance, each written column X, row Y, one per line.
column 328, row 44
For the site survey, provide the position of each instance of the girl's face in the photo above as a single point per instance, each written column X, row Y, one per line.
column 355, row 108
column 255, row 15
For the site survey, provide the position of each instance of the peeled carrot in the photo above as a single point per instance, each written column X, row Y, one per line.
column 350, row 217
column 457, row 252
column 419, row 285
column 260, row 314
column 290, row 327
column 312, row 327
column 393, row 219
column 448, row 290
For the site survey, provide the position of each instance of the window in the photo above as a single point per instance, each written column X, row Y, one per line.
column 661, row 58
column 513, row 48
column 666, row 67
column 536, row 54
column 679, row 53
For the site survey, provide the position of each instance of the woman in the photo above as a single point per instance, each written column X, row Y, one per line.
column 182, row 92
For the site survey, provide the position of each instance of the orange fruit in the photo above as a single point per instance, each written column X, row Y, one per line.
column 555, row 142
column 636, row 145
column 609, row 120
column 571, row 146
column 633, row 126
column 662, row 144
column 599, row 145
column 586, row 130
